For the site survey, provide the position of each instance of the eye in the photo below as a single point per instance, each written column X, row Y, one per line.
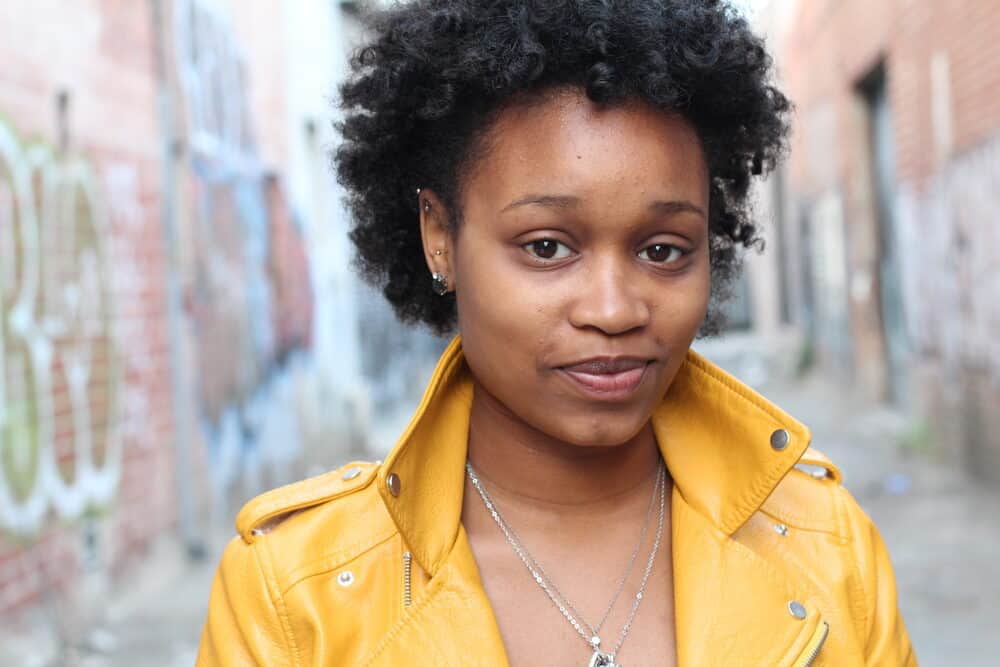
column 661, row 253
column 548, row 249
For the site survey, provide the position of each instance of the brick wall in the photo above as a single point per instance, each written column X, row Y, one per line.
column 941, row 66
column 90, row 433
column 86, row 459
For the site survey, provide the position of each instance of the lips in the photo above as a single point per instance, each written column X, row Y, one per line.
column 609, row 378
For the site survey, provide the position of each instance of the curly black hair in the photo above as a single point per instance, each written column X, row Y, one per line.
column 436, row 74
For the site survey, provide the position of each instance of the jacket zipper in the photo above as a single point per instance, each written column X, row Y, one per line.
column 815, row 644
column 407, row 596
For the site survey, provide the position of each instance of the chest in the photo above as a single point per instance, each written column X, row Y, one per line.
column 535, row 631
column 710, row 600
column 627, row 602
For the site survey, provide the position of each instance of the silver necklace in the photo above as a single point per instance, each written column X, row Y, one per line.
column 592, row 631
column 595, row 631
column 588, row 633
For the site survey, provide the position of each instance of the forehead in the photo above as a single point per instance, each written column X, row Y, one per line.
column 565, row 142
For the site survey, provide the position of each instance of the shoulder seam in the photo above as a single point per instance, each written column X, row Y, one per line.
column 850, row 542
column 277, row 600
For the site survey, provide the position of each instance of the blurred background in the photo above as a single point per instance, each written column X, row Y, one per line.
column 181, row 329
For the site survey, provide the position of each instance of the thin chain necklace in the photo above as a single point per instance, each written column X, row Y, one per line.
column 595, row 631
column 569, row 612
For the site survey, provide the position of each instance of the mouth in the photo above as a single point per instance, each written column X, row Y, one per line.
column 607, row 378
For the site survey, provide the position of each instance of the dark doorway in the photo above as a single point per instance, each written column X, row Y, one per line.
column 882, row 167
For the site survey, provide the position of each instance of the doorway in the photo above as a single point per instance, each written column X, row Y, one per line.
column 882, row 169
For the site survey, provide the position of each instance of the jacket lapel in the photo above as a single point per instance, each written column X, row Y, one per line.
column 732, row 605
column 727, row 449
column 731, row 608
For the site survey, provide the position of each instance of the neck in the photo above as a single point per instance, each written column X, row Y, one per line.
column 533, row 467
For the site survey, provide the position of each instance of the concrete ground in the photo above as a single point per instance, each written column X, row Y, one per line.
column 152, row 617
column 942, row 530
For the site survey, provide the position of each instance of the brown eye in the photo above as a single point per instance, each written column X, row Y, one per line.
column 547, row 249
column 661, row 253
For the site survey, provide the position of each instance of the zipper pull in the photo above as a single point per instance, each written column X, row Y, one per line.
column 407, row 578
column 815, row 644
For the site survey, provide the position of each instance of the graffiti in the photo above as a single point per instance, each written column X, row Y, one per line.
column 211, row 72
column 950, row 246
column 247, row 291
column 59, row 365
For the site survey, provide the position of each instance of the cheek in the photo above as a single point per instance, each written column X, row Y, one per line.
column 701, row 290
column 680, row 306
column 511, row 326
column 699, row 286
column 505, row 324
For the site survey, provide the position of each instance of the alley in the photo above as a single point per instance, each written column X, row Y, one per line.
column 184, row 322
column 937, row 524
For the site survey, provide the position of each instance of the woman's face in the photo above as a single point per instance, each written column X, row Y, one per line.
column 581, row 267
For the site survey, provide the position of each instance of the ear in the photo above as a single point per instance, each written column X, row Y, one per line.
column 437, row 239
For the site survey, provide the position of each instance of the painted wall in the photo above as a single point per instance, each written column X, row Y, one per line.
column 180, row 324
column 240, row 257
column 156, row 309
column 85, row 456
column 926, row 338
column 952, row 282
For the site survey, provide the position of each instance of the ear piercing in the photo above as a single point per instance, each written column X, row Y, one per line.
column 427, row 204
column 439, row 283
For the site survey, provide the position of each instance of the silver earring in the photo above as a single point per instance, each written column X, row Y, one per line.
column 427, row 206
column 439, row 283
column 418, row 191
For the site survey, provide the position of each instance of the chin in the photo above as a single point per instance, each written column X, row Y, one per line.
column 601, row 431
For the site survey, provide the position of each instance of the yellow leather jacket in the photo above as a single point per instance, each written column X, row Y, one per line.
column 774, row 563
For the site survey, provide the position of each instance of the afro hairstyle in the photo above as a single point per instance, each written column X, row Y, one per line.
column 434, row 75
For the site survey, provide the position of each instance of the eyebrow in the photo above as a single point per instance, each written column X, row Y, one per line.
column 667, row 208
column 549, row 201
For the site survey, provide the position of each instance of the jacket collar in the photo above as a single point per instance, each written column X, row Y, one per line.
column 715, row 435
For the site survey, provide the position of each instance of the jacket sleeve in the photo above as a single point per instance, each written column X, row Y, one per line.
column 886, row 641
column 247, row 622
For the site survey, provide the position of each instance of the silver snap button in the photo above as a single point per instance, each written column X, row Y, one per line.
column 780, row 439
column 345, row 578
column 350, row 474
column 781, row 529
column 796, row 610
column 394, row 484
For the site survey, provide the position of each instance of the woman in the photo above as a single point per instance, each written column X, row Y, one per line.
column 564, row 183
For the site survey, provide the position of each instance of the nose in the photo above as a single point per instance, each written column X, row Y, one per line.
column 609, row 299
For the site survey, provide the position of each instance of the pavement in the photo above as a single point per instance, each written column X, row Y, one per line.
column 942, row 531
column 151, row 617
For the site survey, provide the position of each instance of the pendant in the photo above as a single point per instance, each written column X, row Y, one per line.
column 602, row 660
